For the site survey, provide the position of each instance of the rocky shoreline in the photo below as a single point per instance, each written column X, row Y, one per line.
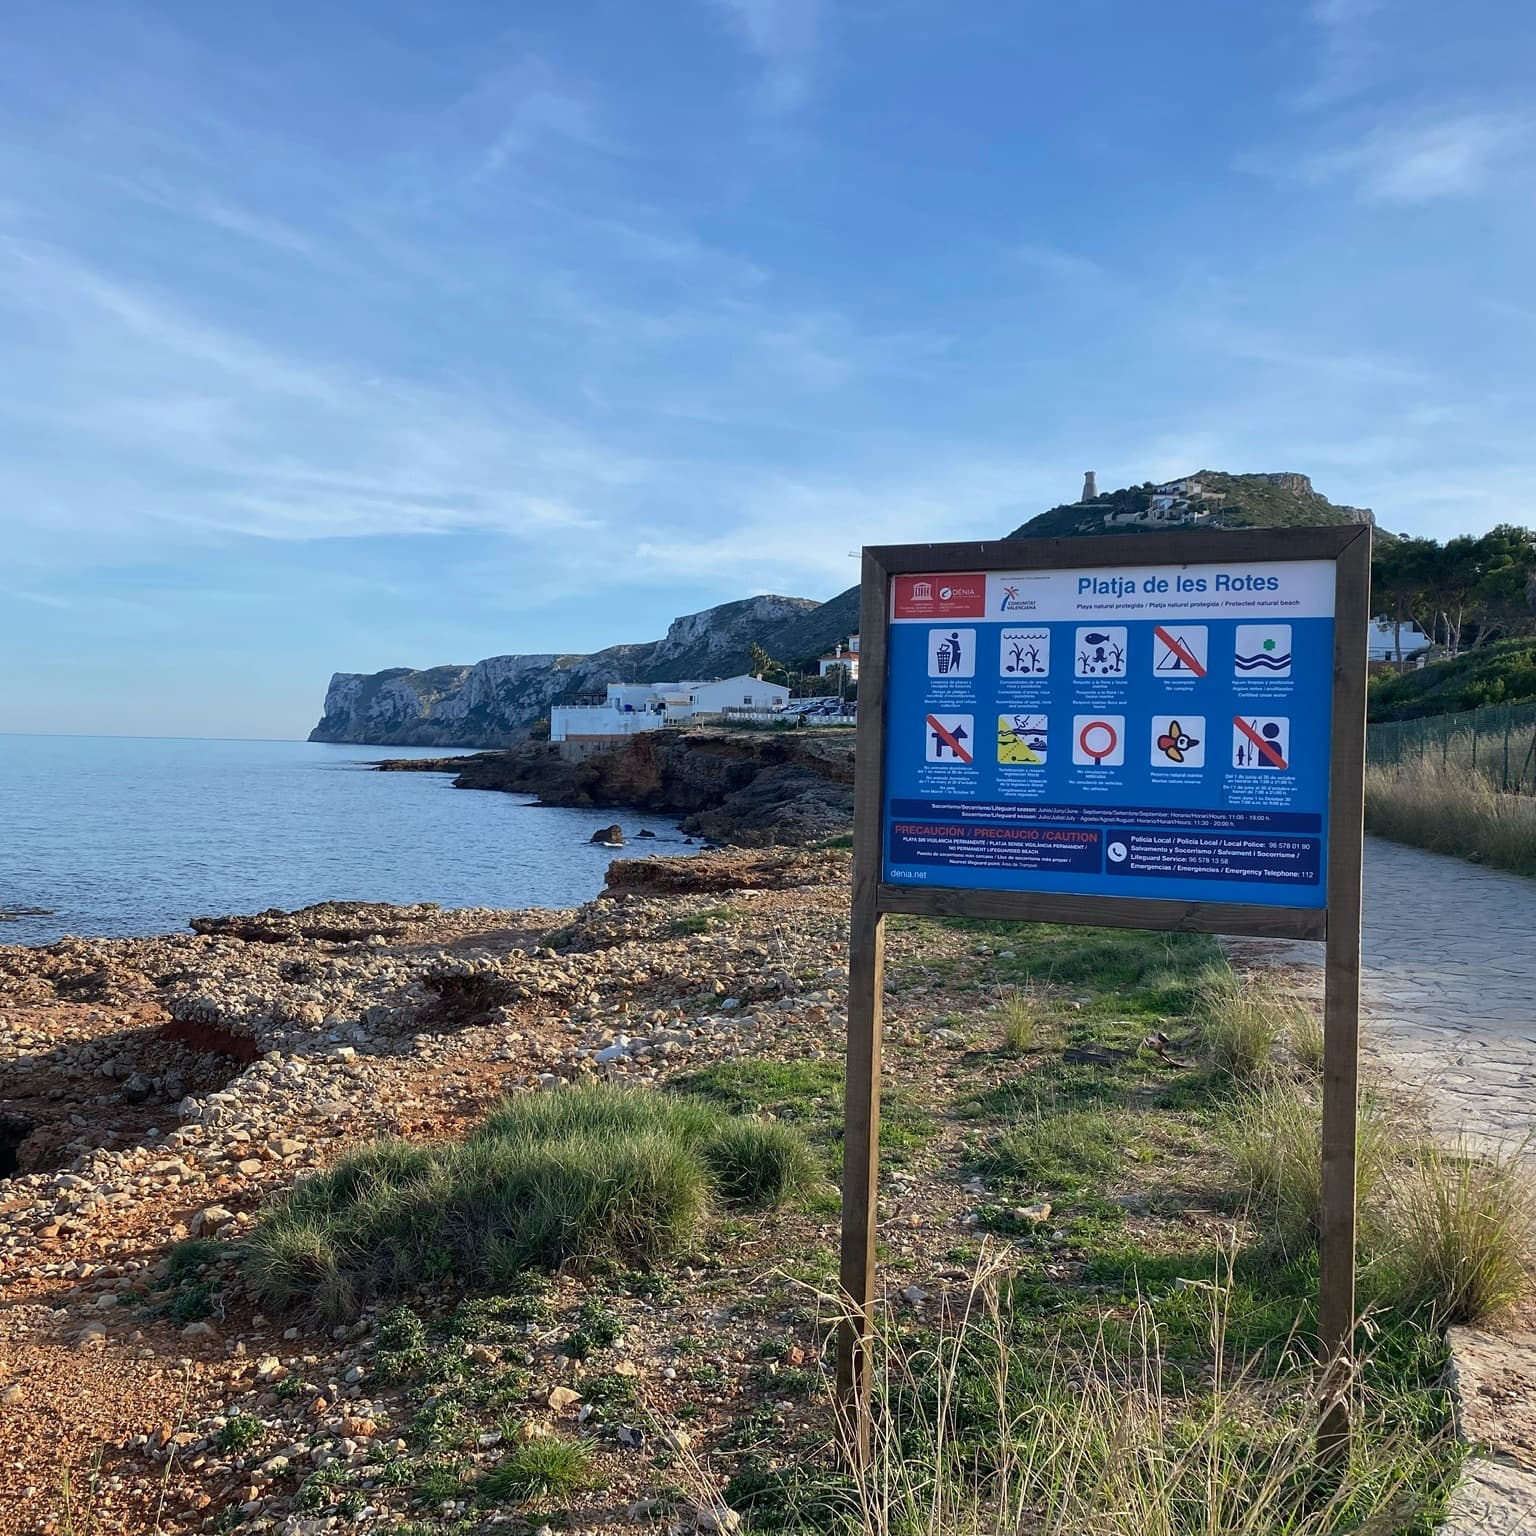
column 158, row 1090
column 744, row 788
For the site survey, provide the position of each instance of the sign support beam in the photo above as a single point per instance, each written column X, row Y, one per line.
column 1341, row 1001
column 866, row 989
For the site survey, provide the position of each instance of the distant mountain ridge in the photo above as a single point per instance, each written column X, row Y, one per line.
column 494, row 702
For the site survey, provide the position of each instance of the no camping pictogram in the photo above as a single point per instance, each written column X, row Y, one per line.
column 1180, row 652
column 947, row 737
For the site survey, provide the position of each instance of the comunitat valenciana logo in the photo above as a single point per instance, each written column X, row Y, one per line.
column 1013, row 603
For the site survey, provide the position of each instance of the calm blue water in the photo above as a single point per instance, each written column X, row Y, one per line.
column 133, row 836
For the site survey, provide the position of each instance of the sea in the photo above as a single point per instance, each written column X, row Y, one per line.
column 108, row 836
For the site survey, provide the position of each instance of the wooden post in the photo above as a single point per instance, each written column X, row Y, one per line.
column 1341, row 1002
column 866, row 982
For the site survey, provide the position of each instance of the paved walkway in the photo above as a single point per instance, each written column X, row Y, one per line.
column 1450, row 989
column 1449, row 995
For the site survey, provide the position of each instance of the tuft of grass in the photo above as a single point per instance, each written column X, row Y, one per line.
column 1054, row 1148
column 695, row 923
column 1305, row 1039
column 1100, row 1436
column 548, row 1468
column 1019, row 1020
column 1186, row 1416
column 1245, row 1020
column 1274, row 1136
column 759, row 1164
column 1450, row 810
column 584, row 1174
column 1464, row 1234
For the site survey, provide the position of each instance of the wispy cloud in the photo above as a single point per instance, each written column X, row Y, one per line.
column 1454, row 156
column 535, row 116
column 784, row 35
column 1350, row 48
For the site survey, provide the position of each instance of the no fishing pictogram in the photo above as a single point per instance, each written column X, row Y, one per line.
column 1260, row 743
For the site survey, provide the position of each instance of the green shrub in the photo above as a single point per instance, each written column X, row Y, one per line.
column 1463, row 1230
column 239, row 1433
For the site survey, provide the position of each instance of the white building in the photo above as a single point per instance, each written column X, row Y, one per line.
column 631, row 708
column 848, row 660
column 1383, row 635
column 1162, row 511
column 742, row 692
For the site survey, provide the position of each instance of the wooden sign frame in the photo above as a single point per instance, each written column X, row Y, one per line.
column 1337, row 923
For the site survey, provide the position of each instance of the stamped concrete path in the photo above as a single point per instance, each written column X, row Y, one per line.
column 1450, row 989
column 1449, row 995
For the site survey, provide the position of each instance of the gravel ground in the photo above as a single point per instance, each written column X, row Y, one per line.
column 161, row 1089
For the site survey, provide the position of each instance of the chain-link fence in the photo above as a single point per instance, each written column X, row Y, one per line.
column 1496, row 742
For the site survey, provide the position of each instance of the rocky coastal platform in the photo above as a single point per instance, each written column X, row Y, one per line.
column 747, row 788
column 157, row 1090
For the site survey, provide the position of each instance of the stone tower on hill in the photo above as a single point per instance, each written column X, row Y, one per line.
column 1090, row 486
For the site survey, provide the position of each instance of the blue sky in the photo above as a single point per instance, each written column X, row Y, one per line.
column 362, row 333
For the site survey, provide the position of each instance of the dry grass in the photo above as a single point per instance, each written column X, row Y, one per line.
column 1463, row 1234
column 1274, row 1136
column 1102, row 1442
column 1450, row 811
column 1019, row 1017
column 1246, row 1020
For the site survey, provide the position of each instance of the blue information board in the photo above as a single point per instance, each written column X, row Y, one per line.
column 1153, row 731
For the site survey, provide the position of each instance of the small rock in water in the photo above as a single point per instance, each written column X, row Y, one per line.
column 610, row 837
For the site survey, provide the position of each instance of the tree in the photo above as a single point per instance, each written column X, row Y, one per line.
column 1505, row 595
column 764, row 666
column 1399, row 572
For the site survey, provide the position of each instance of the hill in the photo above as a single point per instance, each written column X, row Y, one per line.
column 1503, row 672
column 1209, row 499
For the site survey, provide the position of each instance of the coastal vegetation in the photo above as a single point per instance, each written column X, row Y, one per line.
column 597, row 1173
column 1450, row 810
column 1470, row 591
column 1131, row 1349
column 1498, row 672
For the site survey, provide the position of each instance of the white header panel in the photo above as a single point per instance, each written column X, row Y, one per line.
column 1268, row 589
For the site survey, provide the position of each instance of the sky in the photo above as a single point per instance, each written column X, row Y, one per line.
column 348, row 334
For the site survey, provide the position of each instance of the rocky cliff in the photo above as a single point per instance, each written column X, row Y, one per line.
column 493, row 702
